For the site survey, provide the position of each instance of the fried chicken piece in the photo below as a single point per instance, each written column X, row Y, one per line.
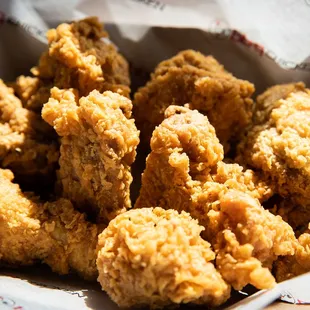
column 80, row 56
column 200, row 81
column 155, row 257
column 26, row 141
column 98, row 145
column 187, row 153
column 52, row 232
column 247, row 239
column 32, row 92
column 280, row 147
column 298, row 216
column 184, row 171
column 266, row 102
column 291, row 266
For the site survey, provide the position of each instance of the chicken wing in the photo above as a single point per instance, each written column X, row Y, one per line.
column 200, row 81
column 98, row 146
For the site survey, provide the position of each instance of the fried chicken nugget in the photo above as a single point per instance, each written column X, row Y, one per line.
column 280, row 146
column 155, row 257
column 200, row 81
column 184, row 171
column 80, row 56
column 52, row 232
column 26, row 141
column 98, row 145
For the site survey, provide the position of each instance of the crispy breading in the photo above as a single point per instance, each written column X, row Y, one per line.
column 98, row 146
column 184, row 171
column 26, row 141
column 53, row 232
column 32, row 92
column 298, row 216
column 266, row 101
column 247, row 240
column 200, row 81
column 155, row 257
column 187, row 153
column 80, row 56
column 280, row 147
column 288, row 267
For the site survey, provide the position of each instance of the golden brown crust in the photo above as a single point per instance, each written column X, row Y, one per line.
column 266, row 101
column 184, row 171
column 247, row 240
column 280, row 146
column 32, row 92
column 52, row 232
column 26, row 141
column 186, row 152
column 155, row 257
column 80, row 57
column 200, row 81
column 298, row 216
column 98, row 146
column 291, row 266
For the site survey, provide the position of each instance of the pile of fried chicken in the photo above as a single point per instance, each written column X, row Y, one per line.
column 225, row 194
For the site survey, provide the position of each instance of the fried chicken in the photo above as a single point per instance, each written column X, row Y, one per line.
column 184, row 171
column 266, row 102
column 52, row 233
column 80, row 56
column 200, row 81
column 291, row 266
column 155, row 257
column 98, row 146
column 247, row 239
column 187, row 153
column 298, row 216
column 26, row 141
column 32, row 92
column 280, row 146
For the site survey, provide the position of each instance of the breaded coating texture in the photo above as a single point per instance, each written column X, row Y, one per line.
column 181, row 174
column 52, row 232
column 291, row 266
column 98, row 145
column 81, row 57
column 280, row 147
column 185, row 166
column 26, row 141
column 267, row 101
column 247, row 239
column 32, row 92
column 200, row 81
column 298, row 216
column 155, row 257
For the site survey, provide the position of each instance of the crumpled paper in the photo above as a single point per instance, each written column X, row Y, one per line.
column 265, row 42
